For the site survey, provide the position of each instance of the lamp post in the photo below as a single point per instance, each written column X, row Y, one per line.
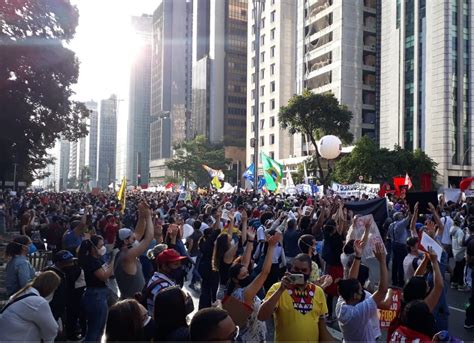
column 258, row 6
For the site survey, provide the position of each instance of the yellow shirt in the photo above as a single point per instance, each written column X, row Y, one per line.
column 297, row 313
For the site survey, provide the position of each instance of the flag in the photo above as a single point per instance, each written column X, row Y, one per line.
column 305, row 174
column 248, row 173
column 314, row 188
column 214, row 172
column 261, row 182
column 398, row 183
column 121, row 194
column 272, row 172
column 426, row 182
column 289, row 179
column 408, row 181
column 216, row 183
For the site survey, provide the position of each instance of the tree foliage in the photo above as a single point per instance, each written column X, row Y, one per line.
column 36, row 75
column 316, row 115
column 378, row 165
column 191, row 155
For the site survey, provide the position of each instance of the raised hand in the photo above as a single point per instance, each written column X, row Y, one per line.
column 285, row 282
column 244, row 216
column 358, row 247
column 379, row 252
column 251, row 233
column 143, row 209
column 431, row 208
column 324, row 281
column 273, row 240
column 173, row 230
column 432, row 255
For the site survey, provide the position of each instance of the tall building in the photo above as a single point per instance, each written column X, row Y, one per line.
column 139, row 115
column 337, row 52
column 92, row 141
column 170, row 80
column 219, row 87
column 427, row 83
column 107, row 142
column 61, row 171
column 276, row 76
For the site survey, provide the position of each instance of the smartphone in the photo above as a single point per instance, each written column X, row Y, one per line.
column 296, row 279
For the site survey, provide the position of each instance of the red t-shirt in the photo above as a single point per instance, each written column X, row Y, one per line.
column 110, row 232
column 405, row 335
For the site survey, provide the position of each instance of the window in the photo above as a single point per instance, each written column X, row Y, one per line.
column 272, row 121
column 262, row 90
column 262, row 40
column 272, row 139
column 263, row 23
column 253, row 110
column 253, row 93
column 253, row 46
column 272, row 16
column 262, row 74
column 262, row 140
column 272, row 69
column 262, row 56
column 253, row 29
column 272, row 51
column 272, row 86
column 262, row 124
column 272, row 155
column 253, row 78
column 272, row 104
column 253, row 127
column 272, row 34
column 262, row 107
column 253, row 62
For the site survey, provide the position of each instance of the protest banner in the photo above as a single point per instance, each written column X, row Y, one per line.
column 356, row 189
column 357, row 232
column 386, row 316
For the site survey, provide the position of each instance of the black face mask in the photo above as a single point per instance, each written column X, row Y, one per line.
column 306, row 277
column 245, row 281
column 177, row 274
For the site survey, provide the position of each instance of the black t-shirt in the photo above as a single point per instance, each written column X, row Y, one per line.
column 332, row 248
column 90, row 265
column 195, row 236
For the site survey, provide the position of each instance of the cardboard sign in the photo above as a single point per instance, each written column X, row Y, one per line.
column 386, row 316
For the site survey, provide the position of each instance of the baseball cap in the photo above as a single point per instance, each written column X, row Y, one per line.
column 168, row 256
column 63, row 256
column 124, row 233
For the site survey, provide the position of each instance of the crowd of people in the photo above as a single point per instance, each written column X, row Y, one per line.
column 305, row 262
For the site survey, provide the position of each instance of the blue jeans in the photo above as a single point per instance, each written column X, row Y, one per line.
column 95, row 307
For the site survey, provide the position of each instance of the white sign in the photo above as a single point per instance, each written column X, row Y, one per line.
column 21, row 184
column 9, row 183
column 357, row 230
column 356, row 189
column 427, row 242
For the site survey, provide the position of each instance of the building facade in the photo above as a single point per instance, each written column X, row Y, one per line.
column 170, row 78
column 107, row 142
column 219, row 94
column 139, row 113
column 92, row 142
column 276, row 74
column 426, row 92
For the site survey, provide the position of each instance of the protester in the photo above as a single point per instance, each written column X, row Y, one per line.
column 297, row 307
column 27, row 315
column 129, row 321
column 128, row 269
column 212, row 325
column 469, row 244
column 398, row 232
column 457, row 238
column 417, row 324
column 412, row 260
column 19, row 270
column 95, row 297
column 171, row 309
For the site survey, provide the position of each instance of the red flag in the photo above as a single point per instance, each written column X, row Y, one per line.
column 408, row 181
column 425, row 182
column 397, row 183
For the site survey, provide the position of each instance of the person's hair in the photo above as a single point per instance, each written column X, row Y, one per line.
column 348, row 248
column 304, row 258
column 197, row 225
column 414, row 289
column 205, row 322
column 220, row 248
column 417, row 316
column 169, row 312
column 411, row 243
column 347, row 288
column 124, row 322
column 45, row 283
column 305, row 243
column 86, row 247
column 14, row 247
column 291, row 224
column 234, row 272
column 304, row 223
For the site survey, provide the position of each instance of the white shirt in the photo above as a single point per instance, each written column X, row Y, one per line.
column 408, row 269
column 447, row 222
column 360, row 322
column 29, row 319
column 457, row 236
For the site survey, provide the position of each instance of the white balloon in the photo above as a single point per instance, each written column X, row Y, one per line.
column 329, row 147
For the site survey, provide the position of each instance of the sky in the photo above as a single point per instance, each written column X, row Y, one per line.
column 104, row 45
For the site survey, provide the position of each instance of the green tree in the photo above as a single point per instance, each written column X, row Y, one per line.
column 191, row 155
column 378, row 165
column 36, row 75
column 316, row 115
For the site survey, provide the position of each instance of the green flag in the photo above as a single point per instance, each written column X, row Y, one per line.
column 272, row 172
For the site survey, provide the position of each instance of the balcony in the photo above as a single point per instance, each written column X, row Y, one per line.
column 370, row 5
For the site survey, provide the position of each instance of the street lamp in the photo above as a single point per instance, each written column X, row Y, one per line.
column 258, row 6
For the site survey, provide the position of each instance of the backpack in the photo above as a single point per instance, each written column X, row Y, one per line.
column 145, row 294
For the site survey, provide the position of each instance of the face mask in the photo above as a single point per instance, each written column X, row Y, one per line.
column 134, row 244
column 32, row 249
column 245, row 281
column 49, row 297
column 102, row 251
column 177, row 274
column 306, row 277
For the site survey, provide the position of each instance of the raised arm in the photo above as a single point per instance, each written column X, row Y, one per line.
column 270, row 304
column 436, row 219
column 432, row 298
column 381, row 292
column 413, row 221
column 421, row 270
column 358, row 249
column 247, row 256
column 143, row 211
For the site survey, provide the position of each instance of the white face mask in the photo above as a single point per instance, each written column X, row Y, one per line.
column 102, row 251
column 49, row 297
column 135, row 244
